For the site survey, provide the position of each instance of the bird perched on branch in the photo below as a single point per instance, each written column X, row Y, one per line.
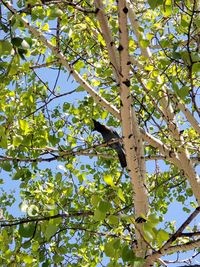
column 108, row 134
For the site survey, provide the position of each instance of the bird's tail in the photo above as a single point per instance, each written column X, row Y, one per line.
column 122, row 158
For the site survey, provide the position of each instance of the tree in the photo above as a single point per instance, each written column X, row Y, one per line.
column 133, row 66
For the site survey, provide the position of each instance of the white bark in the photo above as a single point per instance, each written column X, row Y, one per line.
column 132, row 138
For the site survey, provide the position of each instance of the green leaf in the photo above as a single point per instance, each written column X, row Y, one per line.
column 26, row 229
column 189, row 192
column 144, row 43
column 45, row 27
column 148, row 232
column 50, row 230
column 111, row 248
column 58, row 259
column 153, row 219
column 162, row 236
column 104, row 206
column 17, row 140
column 112, row 219
column 99, row 215
column 121, row 194
column 24, row 126
column 95, row 199
column 167, row 10
column 128, row 254
column 196, row 67
column 109, row 180
column 155, row 3
column 6, row 166
column 28, row 259
column 183, row 92
column 5, row 47
column 104, row 115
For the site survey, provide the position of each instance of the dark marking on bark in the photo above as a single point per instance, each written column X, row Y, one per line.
column 121, row 104
column 71, row 71
column 120, row 48
column 97, row 10
column 130, row 136
column 125, row 10
column 129, row 63
column 111, row 43
column 127, row 83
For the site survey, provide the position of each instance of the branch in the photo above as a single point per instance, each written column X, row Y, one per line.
column 185, row 247
column 135, row 26
column 107, row 35
column 191, row 119
column 165, row 249
column 6, row 223
column 62, row 153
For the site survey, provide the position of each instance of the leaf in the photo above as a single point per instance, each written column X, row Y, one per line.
column 24, row 126
column 144, row 43
column 111, row 248
column 112, row 219
column 6, row 166
column 17, row 140
column 104, row 115
column 183, row 92
column 162, row 236
column 155, row 3
column 153, row 219
column 109, row 180
column 5, row 47
column 26, row 229
column 104, row 206
column 45, row 27
column 167, row 11
column 148, row 232
column 128, row 254
column 121, row 194
column 95, row 199
column 28, row 259
column 50, row 230
column 196, row 67
column 99, row 215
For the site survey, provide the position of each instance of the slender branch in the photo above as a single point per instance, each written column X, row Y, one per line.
column 191, row 119
column 165, row 249
column 6, row 223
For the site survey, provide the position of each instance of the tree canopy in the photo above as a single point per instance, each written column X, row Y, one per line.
column 134, row 67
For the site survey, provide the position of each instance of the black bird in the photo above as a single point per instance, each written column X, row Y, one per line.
column 109, row 134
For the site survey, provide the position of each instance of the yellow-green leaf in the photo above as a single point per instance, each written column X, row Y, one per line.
column 109, row 180
column 121, row 194
column 45, row 27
